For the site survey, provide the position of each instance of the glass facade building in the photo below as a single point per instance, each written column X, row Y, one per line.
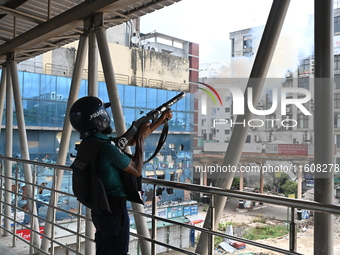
column 44, row 99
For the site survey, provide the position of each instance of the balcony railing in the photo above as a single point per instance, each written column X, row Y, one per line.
column 25, row 213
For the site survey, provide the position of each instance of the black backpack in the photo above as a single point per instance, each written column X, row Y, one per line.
column 87, row 186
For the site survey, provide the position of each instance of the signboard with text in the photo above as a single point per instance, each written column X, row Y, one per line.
column 293, row 149
column 26, row 233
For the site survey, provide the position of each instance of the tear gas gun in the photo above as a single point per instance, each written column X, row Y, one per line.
column 122, row 141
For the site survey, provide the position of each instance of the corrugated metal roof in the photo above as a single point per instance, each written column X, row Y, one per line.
column 32, row 27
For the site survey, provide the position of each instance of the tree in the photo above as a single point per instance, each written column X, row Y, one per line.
column 290, row 187
column 281, row 180
column 236, row 183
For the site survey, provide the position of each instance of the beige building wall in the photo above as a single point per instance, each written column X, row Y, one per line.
column 134, row 66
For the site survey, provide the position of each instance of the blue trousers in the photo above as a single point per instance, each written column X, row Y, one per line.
column 112, row 229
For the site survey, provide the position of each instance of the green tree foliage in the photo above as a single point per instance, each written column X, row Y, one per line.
column 236, row 183
column 290, row 187
column 282, row 179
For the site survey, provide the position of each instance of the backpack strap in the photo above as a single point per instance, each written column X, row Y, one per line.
column 160, row 143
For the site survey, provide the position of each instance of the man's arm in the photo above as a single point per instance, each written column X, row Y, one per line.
column 167, row 115
column 136, row 164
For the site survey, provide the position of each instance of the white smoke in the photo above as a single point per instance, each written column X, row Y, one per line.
column 295, row 43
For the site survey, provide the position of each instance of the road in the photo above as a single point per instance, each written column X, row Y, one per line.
column 270, row 211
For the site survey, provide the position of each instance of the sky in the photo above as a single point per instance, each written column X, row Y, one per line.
column 209, row 22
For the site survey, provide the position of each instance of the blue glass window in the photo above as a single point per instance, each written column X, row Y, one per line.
column 121, row 93
column 102, row 91
column 151, row 102
column 129, row 116
column 30, row 84
column 46, row 144
column 33, row 141
column 188, row 100
column 31, row 110
column 83, row 88
column 141, row 96
column 188, row 122
column 129, row 96
column 44, row 99
column 48, row 87
column 162, row 97
column 63, row 88
column 175, row 107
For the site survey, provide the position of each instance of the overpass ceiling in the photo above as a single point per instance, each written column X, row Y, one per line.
column 32, row 27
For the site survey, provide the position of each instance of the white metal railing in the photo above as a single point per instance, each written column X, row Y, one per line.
column 22, row 218
column 68, row 224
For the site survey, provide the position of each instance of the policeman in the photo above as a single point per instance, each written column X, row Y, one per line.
column 89, row 117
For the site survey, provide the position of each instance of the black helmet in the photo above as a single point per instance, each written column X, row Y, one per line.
column 89, row 116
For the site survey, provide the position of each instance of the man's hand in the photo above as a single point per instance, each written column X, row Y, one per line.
column 136, row 164
column 167, row 115
column 147, row 128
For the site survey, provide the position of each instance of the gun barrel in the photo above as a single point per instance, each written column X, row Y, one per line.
column 123, row 140
column 171, row 102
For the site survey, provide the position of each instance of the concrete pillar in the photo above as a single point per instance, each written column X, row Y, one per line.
column 92, row 91
column 205, row 164
column 261, row 178
column 66, row 135
column 9, row 148
column 241, row 180
column 299, row 187
column 205, row 179
column 118, row 116
column 2, row 104
column 201, row 180
column 24, row 148
column 2, row 92
column 258, row 74
column 92, row 60
column 323, row 123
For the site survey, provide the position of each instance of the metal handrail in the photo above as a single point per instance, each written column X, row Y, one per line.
column 215, row 233
column 284, row 201
column 213, row 191
column 270, row 199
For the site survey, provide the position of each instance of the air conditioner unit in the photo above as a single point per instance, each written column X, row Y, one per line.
column 311, row 101
column 256, row 138
column 312, row 107
column 227, row 138
column 306, row 136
